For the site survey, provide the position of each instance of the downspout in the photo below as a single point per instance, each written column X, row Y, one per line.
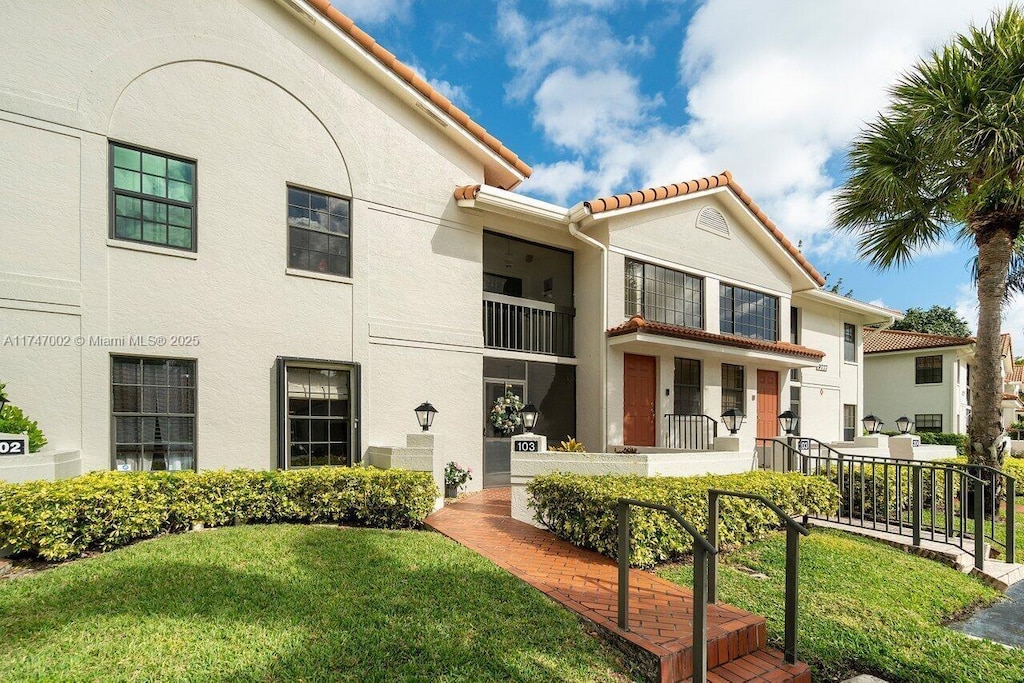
column 575, row 232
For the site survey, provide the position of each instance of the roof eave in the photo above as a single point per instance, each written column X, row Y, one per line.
column 496, row 200
column 498, row 171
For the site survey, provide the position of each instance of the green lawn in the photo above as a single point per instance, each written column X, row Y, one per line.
column 285, row 602
column 867, row 607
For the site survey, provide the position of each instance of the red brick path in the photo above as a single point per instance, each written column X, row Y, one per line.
column 658, row 645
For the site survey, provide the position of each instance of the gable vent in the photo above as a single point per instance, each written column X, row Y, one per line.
column 712, row 220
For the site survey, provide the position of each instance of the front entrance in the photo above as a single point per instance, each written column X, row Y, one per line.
column 639, row 387
column 767, row 404
column 497, row 445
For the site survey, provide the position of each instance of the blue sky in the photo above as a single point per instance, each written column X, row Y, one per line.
column 605, row 96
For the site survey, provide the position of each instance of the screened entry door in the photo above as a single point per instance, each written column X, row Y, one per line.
column 498, row 447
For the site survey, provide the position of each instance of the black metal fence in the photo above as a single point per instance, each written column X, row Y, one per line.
column 690, row 432
column 537, row 328
column 948, row 503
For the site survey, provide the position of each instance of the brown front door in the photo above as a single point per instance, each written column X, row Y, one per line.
column 767, row 404
column 639, row 388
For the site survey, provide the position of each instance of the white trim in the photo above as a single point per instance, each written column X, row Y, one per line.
column 507, row 203
column 314, row 275
column 151, row 249
column 821, row 296
column 532, row 357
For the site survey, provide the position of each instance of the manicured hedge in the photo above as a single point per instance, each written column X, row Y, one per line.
column 57, row 520
column 582, row 509
column 941, row 439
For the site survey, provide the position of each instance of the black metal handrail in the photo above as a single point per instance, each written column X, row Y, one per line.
column 794, row 530
column 690, row 432
column 945, row 502
column 701, row 552
column 525, row 325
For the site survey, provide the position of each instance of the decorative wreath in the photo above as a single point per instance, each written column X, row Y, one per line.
column 505, row 413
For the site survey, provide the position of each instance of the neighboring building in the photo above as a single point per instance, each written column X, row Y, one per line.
column 238, row 233
column 927, row 377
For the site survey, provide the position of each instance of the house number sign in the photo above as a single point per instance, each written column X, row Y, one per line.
column 13, row 444
column 822, row 368
column 525, row 447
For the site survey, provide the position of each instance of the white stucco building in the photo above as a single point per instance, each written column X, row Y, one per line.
column 238, row 233
column 927, row 378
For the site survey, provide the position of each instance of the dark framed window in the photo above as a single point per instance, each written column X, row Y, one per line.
column 747, row 313
column 153, row 408
column 733, row 393
column 928, row 370
column 664, row 295
column 320, row 414
column 794, row 405
column 849, row 343
column 794, row 338
column 319, row 232
column 849, row 422
column 687, row 387
column 928, row 422
column 153, row 197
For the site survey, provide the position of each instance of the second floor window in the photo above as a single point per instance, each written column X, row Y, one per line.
column 664, row 295
column 747, row 313
column 154, row 198
column 319, row 232
column 928, row 370
column 849, row 343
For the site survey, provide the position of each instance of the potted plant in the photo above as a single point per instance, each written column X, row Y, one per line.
column 455, row 477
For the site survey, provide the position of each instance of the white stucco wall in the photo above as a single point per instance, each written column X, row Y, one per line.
column 246, row 90
column 891, row 390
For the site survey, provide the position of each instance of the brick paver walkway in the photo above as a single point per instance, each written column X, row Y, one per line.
column 658, row 645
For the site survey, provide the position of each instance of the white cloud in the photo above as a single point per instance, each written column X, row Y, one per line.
column 371, row 12
column 775, row 91
column 557, row 181
column 456, row 93
column 1013, row 314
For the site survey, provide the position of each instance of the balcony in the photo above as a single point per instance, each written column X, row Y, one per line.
column 515, row 324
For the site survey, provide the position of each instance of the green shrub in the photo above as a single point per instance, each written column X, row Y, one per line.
column 583, row 509
column 940, row 439
column 57, row 520
column 14, row 421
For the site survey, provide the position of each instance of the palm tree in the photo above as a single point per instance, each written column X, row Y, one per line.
column 947, row 159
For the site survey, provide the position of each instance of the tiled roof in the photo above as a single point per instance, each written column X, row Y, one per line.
column 880, row 341
column 638, row 324
column 1009, row 397
column 723, row 179
column 467, row 192
column 1016, row 374
column 367, row 42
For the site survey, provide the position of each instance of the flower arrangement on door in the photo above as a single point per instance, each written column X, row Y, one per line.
column 505, row 413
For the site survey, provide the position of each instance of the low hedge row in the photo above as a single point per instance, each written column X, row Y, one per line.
column 583, row 509
column 57, row 520
column 940, row 439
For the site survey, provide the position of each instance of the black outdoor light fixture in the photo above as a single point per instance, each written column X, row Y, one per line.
column 872, row 424
column 788, row 421
column 425, row 415
column 903, row 424
column 733, row 420
column 529, row 413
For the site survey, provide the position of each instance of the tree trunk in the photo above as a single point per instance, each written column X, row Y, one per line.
column 994, row 239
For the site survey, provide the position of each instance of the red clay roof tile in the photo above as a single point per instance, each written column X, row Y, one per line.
column 364, row 40
column 638, row 324
column 723, row 179
column 881, row 341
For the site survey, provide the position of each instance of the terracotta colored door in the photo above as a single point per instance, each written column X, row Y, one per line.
column 639, row 386
column 767, row 404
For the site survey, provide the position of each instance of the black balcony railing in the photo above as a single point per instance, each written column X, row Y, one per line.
column 690, row 432
column 515, row 324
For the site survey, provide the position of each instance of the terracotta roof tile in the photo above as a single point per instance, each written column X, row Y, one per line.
column 1016, row 374
column 880, row 341
column 467, row 192
column 364, row 40
column 638, row 324
column 1009, row 397
column 723, row 179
